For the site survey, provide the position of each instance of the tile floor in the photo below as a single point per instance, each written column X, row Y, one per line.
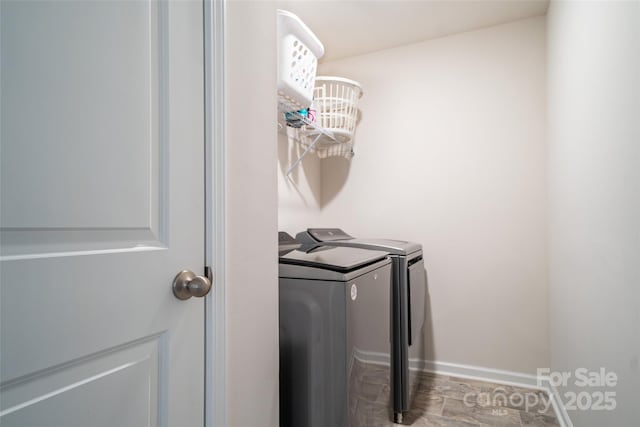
column 445, row 401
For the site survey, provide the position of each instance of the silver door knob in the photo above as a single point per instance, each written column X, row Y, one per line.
column 187, row 285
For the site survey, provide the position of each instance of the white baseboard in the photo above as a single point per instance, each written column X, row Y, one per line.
column 497, row 376
column 372, row 357
column 558, row 406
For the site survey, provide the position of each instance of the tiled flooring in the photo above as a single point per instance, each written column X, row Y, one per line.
column 444, row 401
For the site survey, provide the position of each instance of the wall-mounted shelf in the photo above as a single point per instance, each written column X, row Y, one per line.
column 316, row 138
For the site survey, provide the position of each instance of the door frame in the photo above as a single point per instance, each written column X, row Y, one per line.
column 215, row 383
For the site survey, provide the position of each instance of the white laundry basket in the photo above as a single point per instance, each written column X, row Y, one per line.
column 335, row 100
column 335, row 104
column 298, row 53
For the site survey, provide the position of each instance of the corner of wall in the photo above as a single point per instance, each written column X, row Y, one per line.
column 252, row 277
column 594, row 208
column 300, row 192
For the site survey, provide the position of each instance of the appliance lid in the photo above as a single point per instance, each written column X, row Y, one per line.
column 396, row 247
column 342, row 259
column 337, row 237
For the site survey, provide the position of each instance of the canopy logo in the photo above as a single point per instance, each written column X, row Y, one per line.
column 507, row 397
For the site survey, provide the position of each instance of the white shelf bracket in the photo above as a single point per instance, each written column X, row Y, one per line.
column 321, row 132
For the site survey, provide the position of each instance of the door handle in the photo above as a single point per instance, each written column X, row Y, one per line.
column 187, row 284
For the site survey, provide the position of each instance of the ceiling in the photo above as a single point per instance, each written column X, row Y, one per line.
column 355, row 27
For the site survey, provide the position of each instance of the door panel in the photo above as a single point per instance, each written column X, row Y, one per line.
column 125, row 378
column 102, row 204
column 84, row 95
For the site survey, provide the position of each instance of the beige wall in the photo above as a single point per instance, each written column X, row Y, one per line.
column 252, row 275
column 450, row 152
column 594, row 215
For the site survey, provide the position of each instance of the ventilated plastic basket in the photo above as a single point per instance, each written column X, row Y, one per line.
column 335, row 101
column 298, row 53
column 335, row 107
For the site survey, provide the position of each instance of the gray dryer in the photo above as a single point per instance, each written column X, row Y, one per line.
column 409, row 295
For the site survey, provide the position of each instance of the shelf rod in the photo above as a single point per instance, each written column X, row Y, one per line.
column 309, row 148
column 320, row 129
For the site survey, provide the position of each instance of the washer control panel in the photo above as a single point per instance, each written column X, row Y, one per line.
column 328, row 234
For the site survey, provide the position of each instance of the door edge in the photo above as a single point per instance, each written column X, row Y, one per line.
column 215, row 209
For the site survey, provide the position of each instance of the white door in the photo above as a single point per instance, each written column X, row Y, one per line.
column 102, row 204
